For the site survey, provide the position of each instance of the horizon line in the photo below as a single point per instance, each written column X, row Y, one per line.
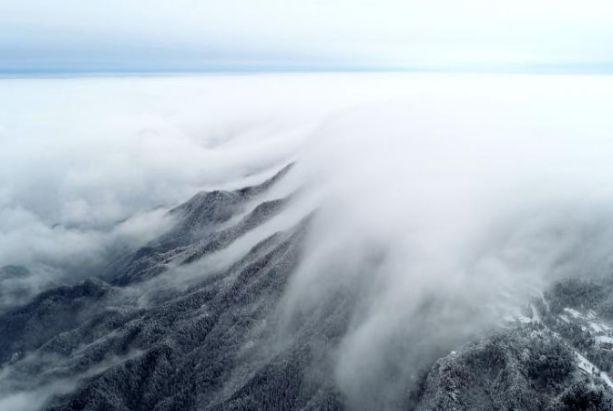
column 577, row 69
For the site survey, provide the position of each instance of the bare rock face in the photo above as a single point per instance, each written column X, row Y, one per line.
column 165, row 329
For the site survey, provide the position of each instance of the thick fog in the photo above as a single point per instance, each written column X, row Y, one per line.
column 90, row 164
column 447, row 213
column 441, row 203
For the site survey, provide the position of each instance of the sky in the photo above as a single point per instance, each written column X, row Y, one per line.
column 244, row 35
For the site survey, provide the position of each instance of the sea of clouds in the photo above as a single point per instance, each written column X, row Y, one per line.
column 445, row 202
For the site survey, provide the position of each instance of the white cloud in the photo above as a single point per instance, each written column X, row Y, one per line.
column 443, row 200
column 443, row 211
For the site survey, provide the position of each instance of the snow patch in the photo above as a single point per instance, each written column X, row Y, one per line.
column 574, row 313
column 590, row 368
column 604, row 339
column 598, row 327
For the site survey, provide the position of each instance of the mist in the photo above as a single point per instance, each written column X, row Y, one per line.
column 440, row 204
column 444, row 217
column 89, row 166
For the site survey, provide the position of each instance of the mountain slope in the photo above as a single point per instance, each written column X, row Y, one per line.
column 169, row 327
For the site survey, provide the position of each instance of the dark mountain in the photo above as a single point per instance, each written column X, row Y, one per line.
column 164, row 329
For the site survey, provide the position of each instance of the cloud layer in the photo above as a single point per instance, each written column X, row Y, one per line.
column 445, row 212
column 443, row 202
